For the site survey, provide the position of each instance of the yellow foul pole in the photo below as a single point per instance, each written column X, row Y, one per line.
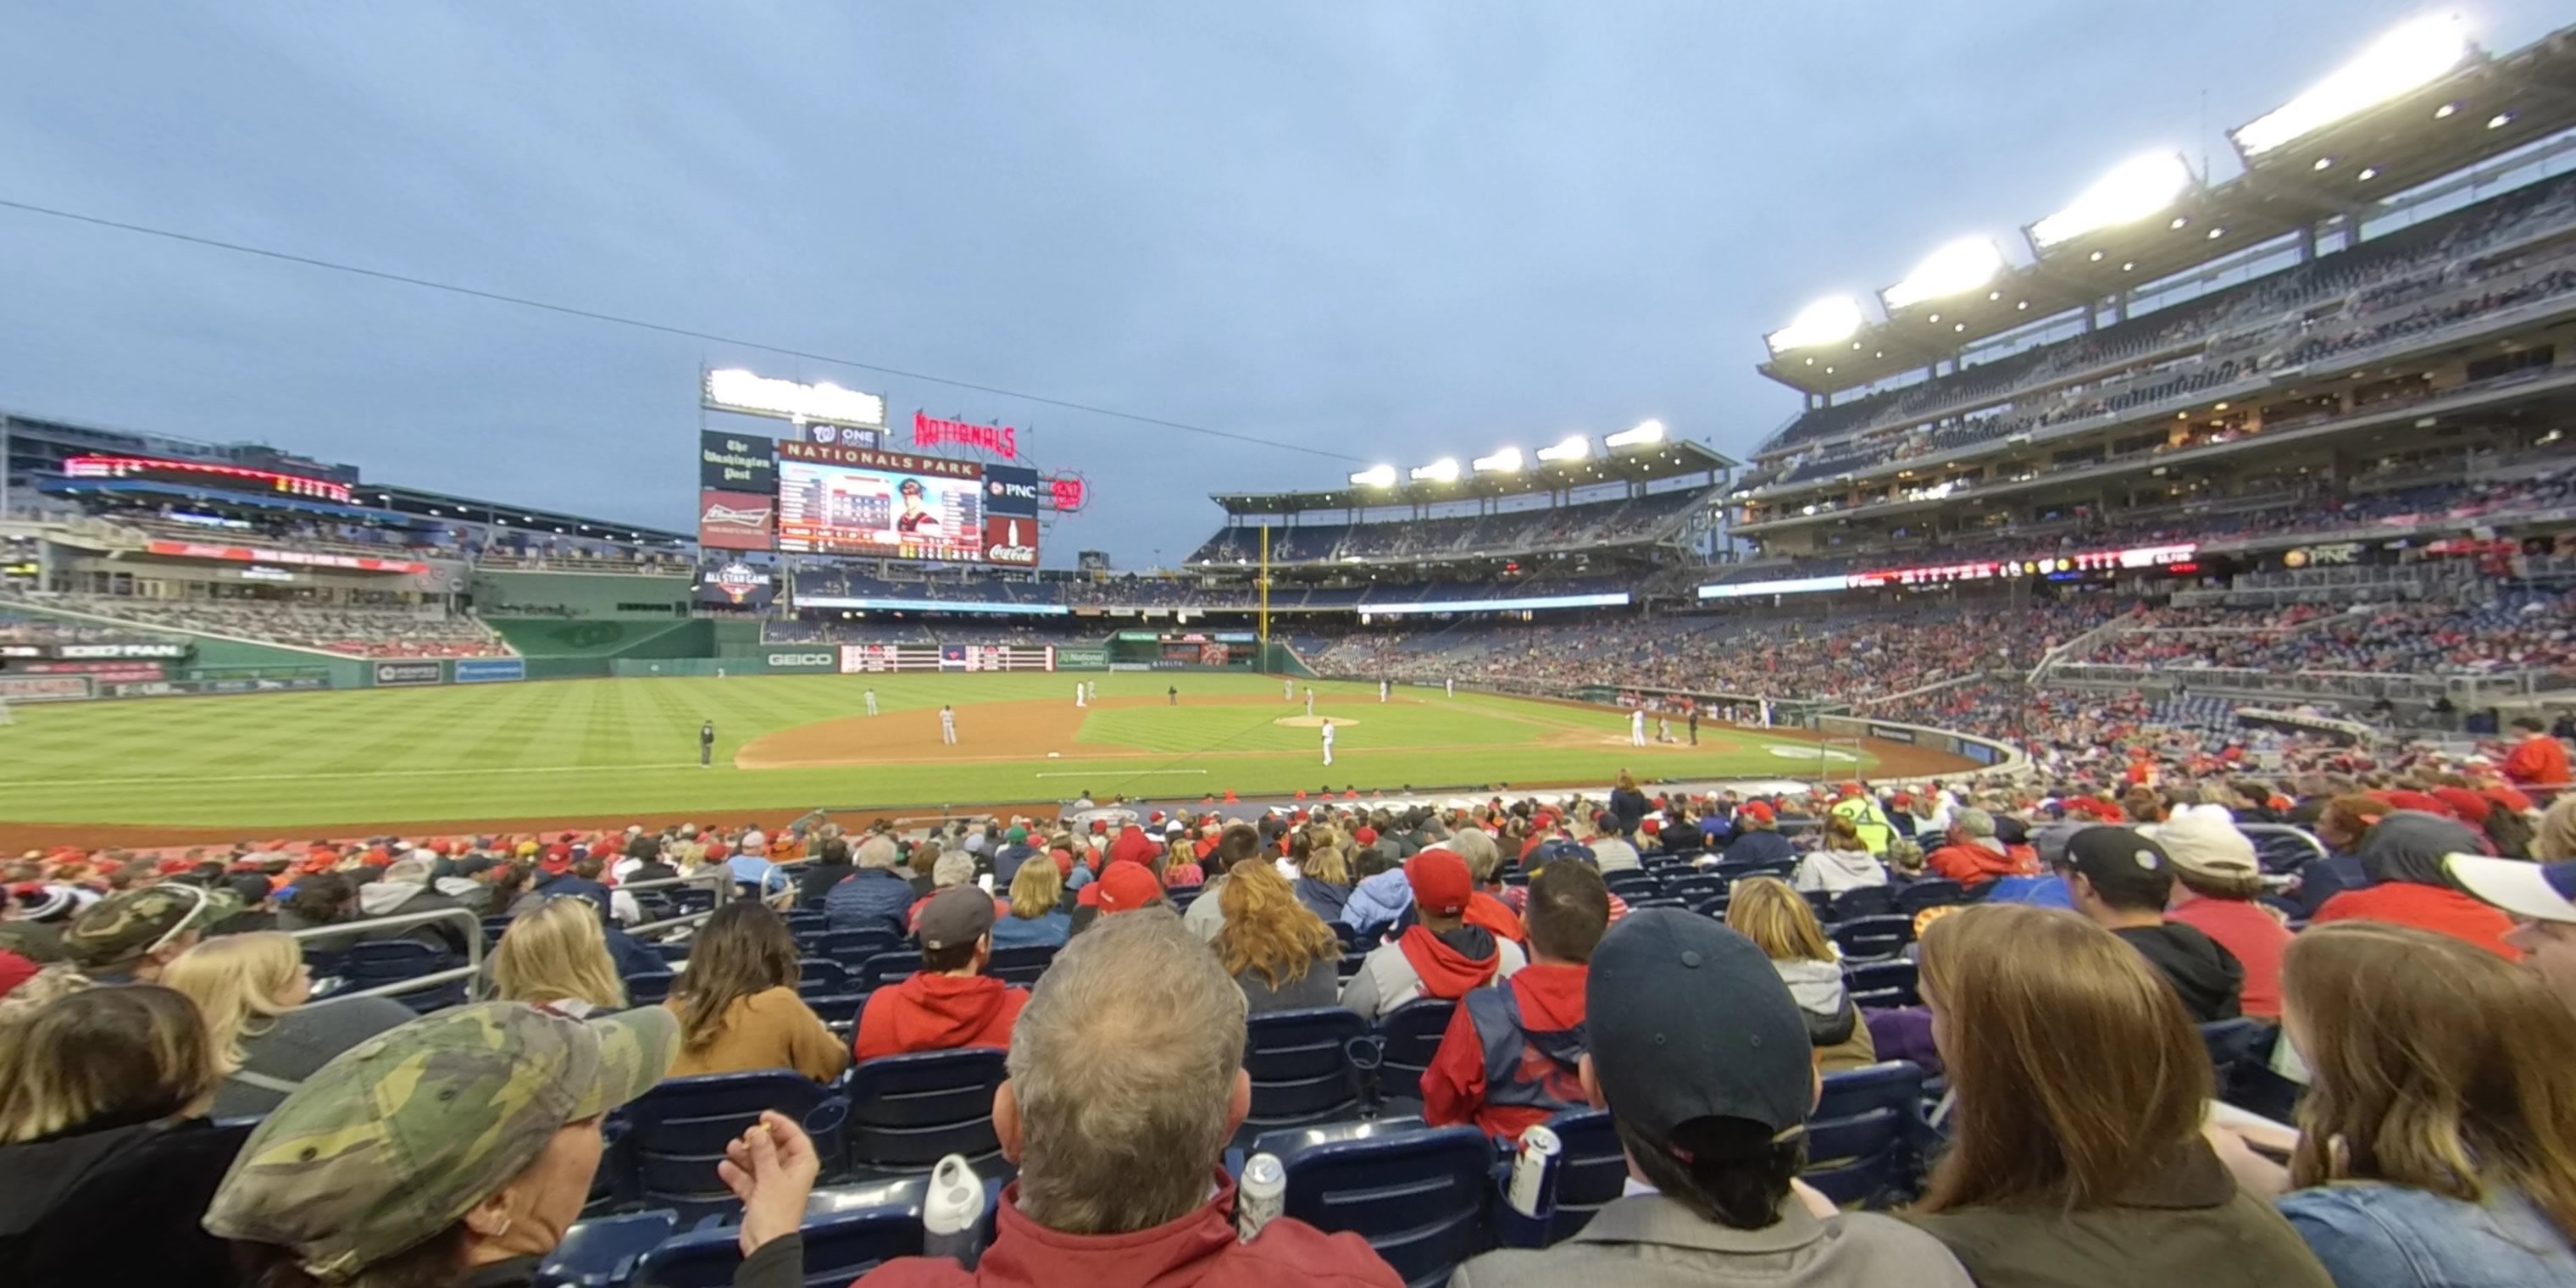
column 1265, row 593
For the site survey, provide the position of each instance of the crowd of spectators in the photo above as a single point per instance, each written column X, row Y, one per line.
column 1627, row 521
column 390, row 632
column 2527, row 631
column 2424, row 960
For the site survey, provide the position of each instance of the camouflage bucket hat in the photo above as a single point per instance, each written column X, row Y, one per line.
column 398, row 1137
column 136, row 922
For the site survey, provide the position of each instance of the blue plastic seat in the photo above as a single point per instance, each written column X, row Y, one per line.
column 821, row 977
column 1354, row 942
column 1861, row 1137
column 649, row 988
column 1633, row 883
column 369, row 965
column 1884, row 985
column 1590, row 1172
column 603, row 1252
column 1873, row 938
column 677, row 1132
column 1408, row 1037
column 853, row 948
column 1696, row 887
column 1300, row 1066
column 1419, row 1198
column 909, row 1111
column 2234, row 1046
column 1021, row 966
column 887, row 968
column 1931, row 892
column 839, row 1247
column 1859, row 902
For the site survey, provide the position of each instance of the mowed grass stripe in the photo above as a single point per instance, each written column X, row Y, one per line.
column 296, row 761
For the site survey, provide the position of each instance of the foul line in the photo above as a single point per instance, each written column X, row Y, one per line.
column 165, row 780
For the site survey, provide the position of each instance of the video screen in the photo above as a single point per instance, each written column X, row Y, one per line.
column 829, row 509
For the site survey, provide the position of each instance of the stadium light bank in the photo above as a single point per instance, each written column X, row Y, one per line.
column 2410, row 56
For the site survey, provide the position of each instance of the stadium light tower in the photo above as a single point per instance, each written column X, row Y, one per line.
column 1375, row 476
column 1444, row 470
column 1575, row 447
column 2410, row 56
column 2134, row 189
column 1827, row 321
column 1646, row 434
column 1963, row 265
column 1506, row 461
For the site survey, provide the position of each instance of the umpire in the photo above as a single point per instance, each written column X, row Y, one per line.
column 706, row 744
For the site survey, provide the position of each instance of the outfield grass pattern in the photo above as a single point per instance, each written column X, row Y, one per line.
column 587, row 748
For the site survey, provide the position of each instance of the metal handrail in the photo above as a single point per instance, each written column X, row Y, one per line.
column 473, row 949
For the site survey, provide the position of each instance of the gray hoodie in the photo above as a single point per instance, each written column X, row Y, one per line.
column 1817, row 987
column 1834, row 871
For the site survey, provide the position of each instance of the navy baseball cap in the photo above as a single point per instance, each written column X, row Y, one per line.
column 2539, row 892
column 1687, row 1019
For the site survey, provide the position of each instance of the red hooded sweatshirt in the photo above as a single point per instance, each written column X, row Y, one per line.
column 1445, row 971
column 1974, row 865
column 1550, row 996
column 938, row 1013
column 1197, row 1251
column 1496, row 917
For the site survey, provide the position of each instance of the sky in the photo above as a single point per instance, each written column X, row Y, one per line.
column 1388, row 231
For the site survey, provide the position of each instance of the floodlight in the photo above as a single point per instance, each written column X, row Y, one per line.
column 1962, row 266
column 1375, row 476
column 2134, row 189
column 1575, row 447
column 737, row 390
column 1827, row 321
column 1444, row 470
column 2410, row 56
column 1646, row 433
column 1506, row 461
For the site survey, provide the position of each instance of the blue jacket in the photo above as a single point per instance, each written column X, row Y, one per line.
column 1760, row 846
column 1006, row 864
column 568, row 884
column 1323, row 898
column 2375, row 1235
column 1050, row 930
column 872, row 899
column 1376, row 902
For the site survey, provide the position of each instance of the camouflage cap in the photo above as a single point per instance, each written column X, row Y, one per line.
column 399, row 1137
column 123, row 926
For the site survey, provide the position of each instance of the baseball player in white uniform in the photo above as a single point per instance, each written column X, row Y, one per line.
column 1328, row 740
column 1637, row 727
column 948, row 725
column 1079, row 694
column 1381, row 690
column 872, row 701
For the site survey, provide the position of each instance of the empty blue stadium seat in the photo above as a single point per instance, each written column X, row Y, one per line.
column 1419, row 1198
column 603, row 1252
column 677, row 1132
column 852, row 948
column 1861, row 1137
column 909, row 1111
column 1884, row 984
column 1408, row 1037
column 821, row 977
column 1871, row 938
column 1695, row 888
column 1020, row 966
column 370, row 965
column 1930, row 892
column 847, row 1233
column 649, row 988
column 1300, row 1066
column 887, row 968
column 1865, row 901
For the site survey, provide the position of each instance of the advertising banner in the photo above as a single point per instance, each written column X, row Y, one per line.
column 97, row 652
column 1080, row 657
column 735, row 520
column 103, row 672
column 734, row 582
column 391, row 674
column 737, row 463
column 302, row 558
column 844, row 500
column 490, row 670
column 873, row 658
column 809, row 659
column 46, row 688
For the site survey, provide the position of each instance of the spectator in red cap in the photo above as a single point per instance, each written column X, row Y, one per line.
column 1757, row 837
column 950, row 1002
column 1122, row 887
column 1441, row 955
column 1510, row 1056
column 2538, row 760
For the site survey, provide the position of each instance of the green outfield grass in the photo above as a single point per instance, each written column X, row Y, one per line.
column 574, row 749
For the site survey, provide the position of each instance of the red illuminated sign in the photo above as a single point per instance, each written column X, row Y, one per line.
column 119, row 467
column 301, row 558
column 931, row 431
column 1066, row 492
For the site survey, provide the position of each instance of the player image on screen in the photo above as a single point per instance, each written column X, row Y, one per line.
column 914, row 518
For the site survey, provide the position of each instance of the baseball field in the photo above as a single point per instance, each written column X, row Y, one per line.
column 505, row 756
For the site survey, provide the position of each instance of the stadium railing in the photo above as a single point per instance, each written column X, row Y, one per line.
column 465, row 917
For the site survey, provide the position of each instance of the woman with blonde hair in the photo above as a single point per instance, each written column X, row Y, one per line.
column 2437, row 1141
column 1275, row 947
column 2080, row 1085
column 556, row 959
column 737, row 1001
column 1037, row 917
column 252, row 991
column 107, row 1157
column 1324, row 875
column 1780, row 922
column 1181, row 863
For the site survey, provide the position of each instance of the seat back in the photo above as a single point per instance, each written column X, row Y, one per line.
column 1872, row 938
column 818, row 977
column 1300, row 1066
column 886, row 968
column 1021, row 966
column 369, row 965
column 2234, row 1046
column 1411, row 1036
column 677, row 1132
column 1863, row 901
column 1859, row 1148
column 649, row 988
column 1931, row 892
column 909, row 1111
column 853, row 948
column 1419, row 1198
column 1696, row 888
column 1591, row 1170
column 1882, row 985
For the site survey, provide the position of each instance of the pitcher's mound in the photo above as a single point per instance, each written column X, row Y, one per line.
column 1314, row 722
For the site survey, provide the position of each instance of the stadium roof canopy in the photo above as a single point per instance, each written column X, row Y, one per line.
column 1676, row 458
column 2481, row 108
column 442, row 505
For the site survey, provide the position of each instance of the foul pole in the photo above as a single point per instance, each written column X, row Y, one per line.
column 1265, row 593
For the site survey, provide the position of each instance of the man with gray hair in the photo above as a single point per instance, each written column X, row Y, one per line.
column 876, row 897
column 405, row 889
column 1126, row 1083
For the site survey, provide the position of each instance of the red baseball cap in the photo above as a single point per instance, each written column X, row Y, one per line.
column 1125, row 887
column 1757, row 811
column 1440, row 882
column 1366, row 836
